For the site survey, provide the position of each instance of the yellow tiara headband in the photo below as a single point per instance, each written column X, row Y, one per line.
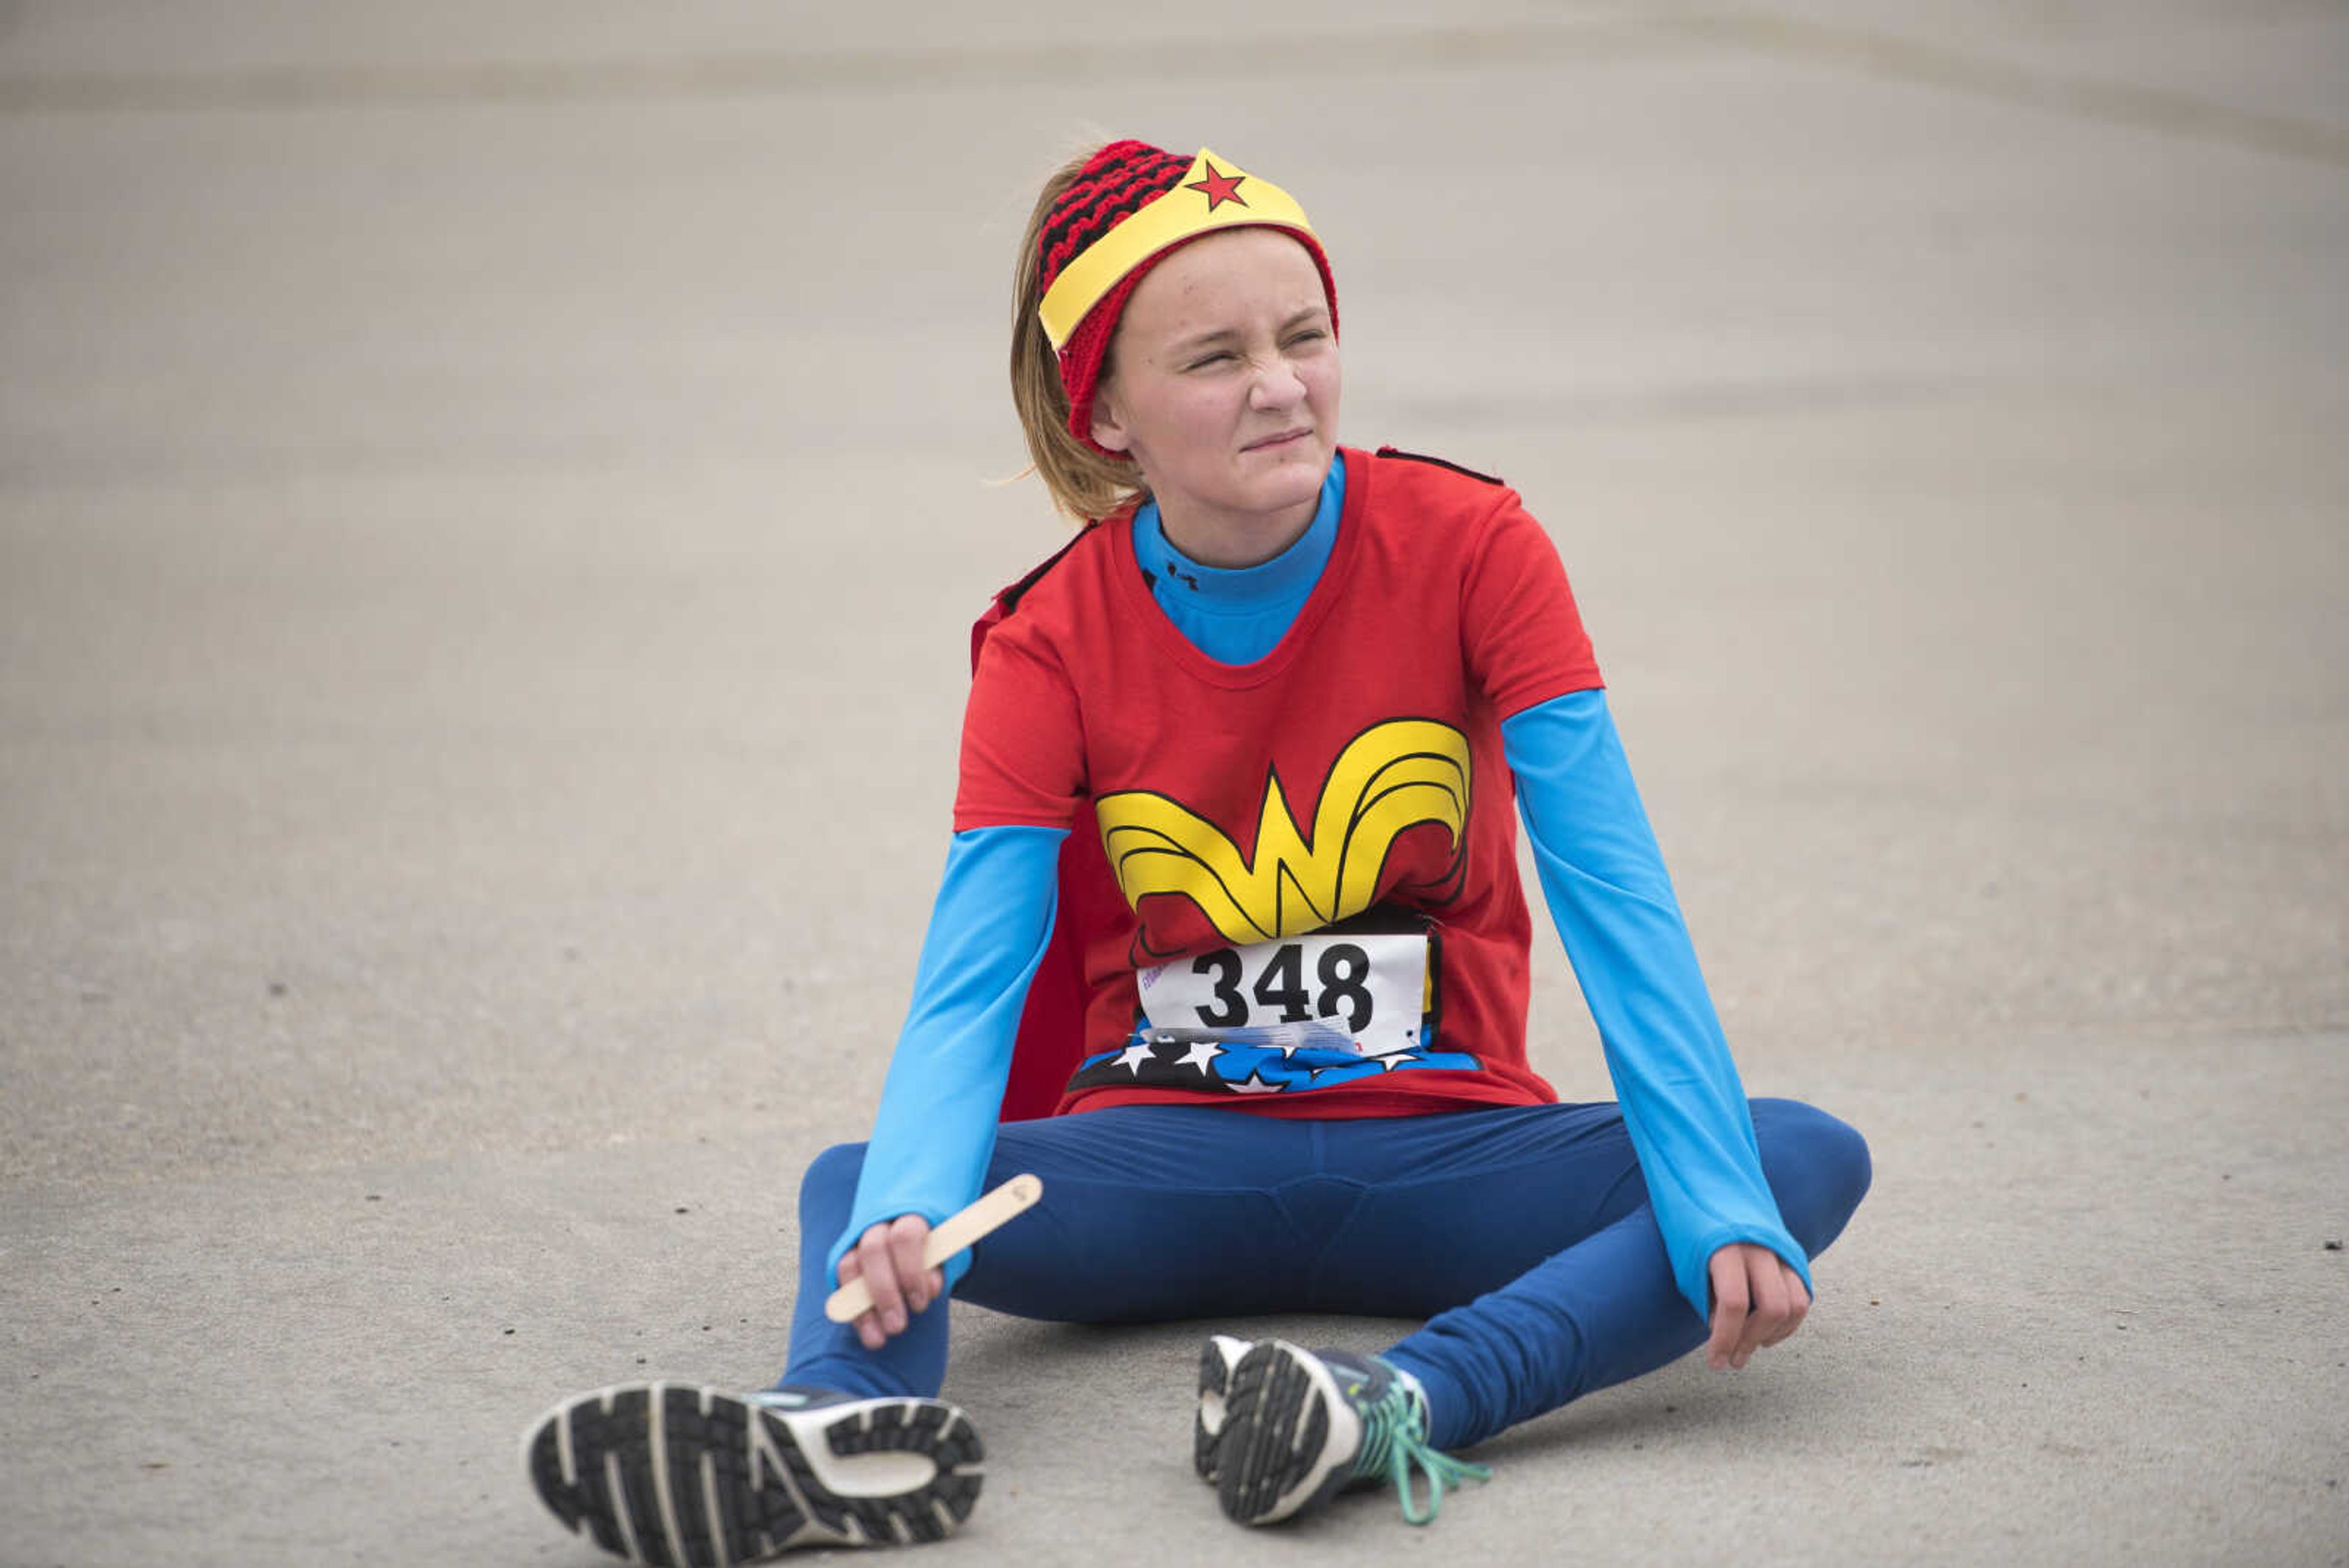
column 1213, row 195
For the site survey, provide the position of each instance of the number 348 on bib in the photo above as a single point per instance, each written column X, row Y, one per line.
column 1371, row 991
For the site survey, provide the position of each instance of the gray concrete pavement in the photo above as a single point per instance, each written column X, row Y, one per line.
column 490, row 501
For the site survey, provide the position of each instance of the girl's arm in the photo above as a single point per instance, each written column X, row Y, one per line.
column 1613, row 905
column 935, row 1128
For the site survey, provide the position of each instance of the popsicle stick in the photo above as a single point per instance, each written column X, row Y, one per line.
column 958, row 1231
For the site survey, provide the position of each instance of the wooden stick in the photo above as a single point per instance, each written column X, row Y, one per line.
column 854, row 1300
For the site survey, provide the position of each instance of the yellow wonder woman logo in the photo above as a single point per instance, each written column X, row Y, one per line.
column 1389, row 778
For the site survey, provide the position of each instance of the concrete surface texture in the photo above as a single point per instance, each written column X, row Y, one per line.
column 491, row 497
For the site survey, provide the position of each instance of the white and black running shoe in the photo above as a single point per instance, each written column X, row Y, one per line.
column 683, row 1477
column 1218, row 1359
column 1300, row 1425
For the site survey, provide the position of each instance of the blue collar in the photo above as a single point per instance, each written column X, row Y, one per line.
column 1286, row 580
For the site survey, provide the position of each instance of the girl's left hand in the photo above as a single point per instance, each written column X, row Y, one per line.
column 1758, row 1301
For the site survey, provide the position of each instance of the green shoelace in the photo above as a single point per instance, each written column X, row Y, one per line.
column 1395, row 1443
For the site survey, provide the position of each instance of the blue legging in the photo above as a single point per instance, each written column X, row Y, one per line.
column 1522, row 1234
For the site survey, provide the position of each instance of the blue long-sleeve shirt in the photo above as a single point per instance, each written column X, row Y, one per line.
column 1600, row 868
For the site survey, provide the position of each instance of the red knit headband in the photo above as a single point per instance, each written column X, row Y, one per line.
column 1116, row 184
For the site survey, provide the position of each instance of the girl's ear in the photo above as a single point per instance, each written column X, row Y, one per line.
column 1109, row 427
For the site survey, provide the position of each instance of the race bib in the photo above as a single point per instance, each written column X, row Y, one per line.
column 1365, row 992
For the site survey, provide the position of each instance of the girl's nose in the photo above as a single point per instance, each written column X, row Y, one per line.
column 1277, row 385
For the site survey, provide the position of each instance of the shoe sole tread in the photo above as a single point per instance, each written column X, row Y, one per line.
column 1274, row 1459
column 677, row 1476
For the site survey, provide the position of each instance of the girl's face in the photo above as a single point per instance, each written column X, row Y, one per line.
column 1224, row 392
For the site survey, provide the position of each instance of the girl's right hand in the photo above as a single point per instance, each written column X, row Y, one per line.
column 888, row 1259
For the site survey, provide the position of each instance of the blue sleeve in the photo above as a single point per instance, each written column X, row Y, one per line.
column 936, row 1126
column 1613, row 903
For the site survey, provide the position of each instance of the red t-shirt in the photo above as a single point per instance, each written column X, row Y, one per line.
column 1354, row 774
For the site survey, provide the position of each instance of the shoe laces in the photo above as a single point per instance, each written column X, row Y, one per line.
column 1395, row 1443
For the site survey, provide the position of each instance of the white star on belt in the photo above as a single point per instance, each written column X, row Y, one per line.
column 1136, row 1057
column 1201, row 1056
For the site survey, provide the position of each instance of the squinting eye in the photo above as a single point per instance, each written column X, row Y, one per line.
column 1210, row 360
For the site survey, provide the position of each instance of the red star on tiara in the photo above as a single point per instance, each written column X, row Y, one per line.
column 1218, row 187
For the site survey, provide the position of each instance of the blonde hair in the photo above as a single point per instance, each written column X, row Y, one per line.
column 1083, row 483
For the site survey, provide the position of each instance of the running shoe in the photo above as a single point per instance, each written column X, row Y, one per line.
column 1300, row 1425
column 700, row 1477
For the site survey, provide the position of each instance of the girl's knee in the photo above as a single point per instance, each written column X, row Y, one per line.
column 1817, row 1159
column 828, row 1188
